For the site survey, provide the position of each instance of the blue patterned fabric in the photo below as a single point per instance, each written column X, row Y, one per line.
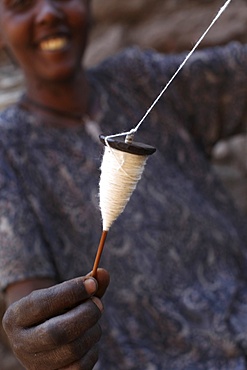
column 177, row 255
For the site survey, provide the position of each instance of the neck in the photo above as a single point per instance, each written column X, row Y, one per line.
column 70, row 95
column 63, row 104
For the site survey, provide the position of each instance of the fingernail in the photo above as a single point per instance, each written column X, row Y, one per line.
column 98, row 303
column 90, row 285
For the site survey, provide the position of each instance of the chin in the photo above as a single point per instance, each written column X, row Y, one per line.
column 62, row 68
column 60, row 75
column 55, row 72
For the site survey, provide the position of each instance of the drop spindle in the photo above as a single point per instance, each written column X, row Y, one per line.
column 122, row 166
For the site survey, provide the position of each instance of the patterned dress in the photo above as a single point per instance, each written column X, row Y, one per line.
column 177, row 255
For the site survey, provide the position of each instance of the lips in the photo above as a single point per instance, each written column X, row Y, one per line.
column 54, row 43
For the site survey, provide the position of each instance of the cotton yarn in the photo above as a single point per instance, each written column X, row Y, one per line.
column 120, row 173
column 123, row 162
column 121, row 169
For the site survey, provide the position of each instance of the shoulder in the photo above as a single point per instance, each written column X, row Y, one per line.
column 13, row 118
column 8, row 118
column 135, row 62
column 128, row 62
column 6, row 127
column 125, row 56
column 14, row 127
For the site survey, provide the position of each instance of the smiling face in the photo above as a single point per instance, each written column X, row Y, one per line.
column 46, row 37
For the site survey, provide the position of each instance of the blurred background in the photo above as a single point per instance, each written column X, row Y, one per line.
column 168, row 26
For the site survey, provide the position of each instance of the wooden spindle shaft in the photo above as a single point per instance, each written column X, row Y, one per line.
column 99, row 253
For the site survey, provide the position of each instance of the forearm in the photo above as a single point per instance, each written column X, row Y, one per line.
column 18, row 290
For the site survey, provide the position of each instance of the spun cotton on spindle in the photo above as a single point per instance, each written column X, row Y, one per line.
column 120, row 173
column 121, row 168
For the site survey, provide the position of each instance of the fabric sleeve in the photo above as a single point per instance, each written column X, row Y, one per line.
column 23, row 251
column 209, row 94
column 238, row 317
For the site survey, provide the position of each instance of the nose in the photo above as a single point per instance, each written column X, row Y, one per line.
column 48, row 11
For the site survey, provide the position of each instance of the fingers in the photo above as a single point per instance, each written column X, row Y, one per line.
column 66, row 339
column 85, row 363
column 53, row 301
column 103, row 279
column 58, row 330
column 62, row 329
column 72, row 353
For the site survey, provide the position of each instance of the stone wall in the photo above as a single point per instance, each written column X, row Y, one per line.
column 166, row 25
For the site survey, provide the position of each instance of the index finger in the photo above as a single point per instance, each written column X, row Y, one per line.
column 103, row 279
column 43, row 304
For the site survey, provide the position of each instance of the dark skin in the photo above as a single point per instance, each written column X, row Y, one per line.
column 47, row 38
column 50, row 325
column 57, row 327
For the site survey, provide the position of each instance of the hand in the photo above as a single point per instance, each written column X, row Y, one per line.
column 57, row 327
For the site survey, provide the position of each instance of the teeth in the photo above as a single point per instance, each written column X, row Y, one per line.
column 53, row 44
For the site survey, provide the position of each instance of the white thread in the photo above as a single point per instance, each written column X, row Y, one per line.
column 120, row 172
column 133, row 130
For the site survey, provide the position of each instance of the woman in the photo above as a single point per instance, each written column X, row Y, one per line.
column 177, row 255
column 48, row 43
